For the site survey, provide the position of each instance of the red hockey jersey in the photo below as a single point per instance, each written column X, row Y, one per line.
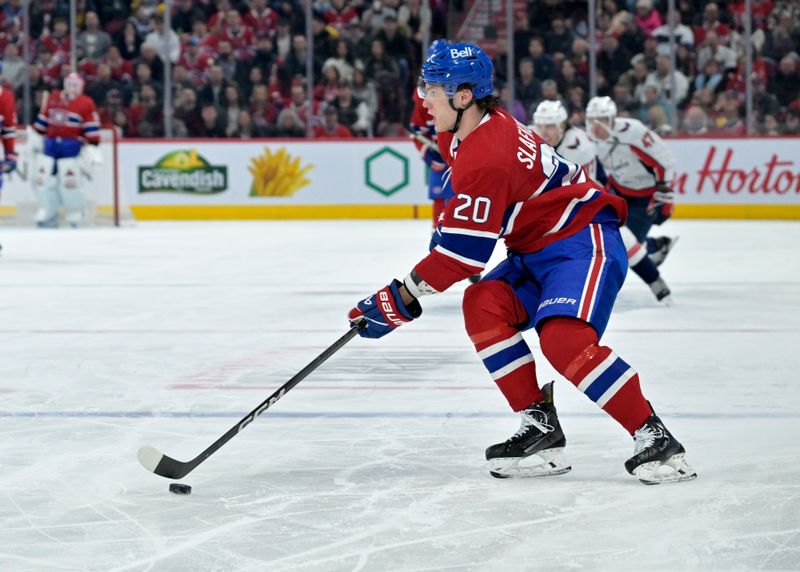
column 8, row 121
column 76, row 119
column 510, row 184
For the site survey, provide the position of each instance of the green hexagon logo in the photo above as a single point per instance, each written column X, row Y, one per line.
column 386, row 171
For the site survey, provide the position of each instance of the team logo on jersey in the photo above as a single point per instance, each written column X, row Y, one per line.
column 183, row 172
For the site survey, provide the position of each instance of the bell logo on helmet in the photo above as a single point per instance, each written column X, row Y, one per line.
column 465, row 53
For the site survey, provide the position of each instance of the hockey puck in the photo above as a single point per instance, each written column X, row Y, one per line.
column 180, row 489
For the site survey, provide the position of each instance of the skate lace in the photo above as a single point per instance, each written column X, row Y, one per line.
column 528, row 421
column 644, row 438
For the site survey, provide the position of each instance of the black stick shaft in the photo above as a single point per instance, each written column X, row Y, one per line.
column 174, row 469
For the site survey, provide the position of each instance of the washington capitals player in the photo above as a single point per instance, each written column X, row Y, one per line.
column 566, row 263
column 8, row 132
column 639, row 168
column 71, row 128
column 572, row 143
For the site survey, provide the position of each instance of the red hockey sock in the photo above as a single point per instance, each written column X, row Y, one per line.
column 571, row 346
column 492, row 314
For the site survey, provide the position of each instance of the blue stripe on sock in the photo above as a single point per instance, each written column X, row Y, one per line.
column 506, row 356
column 600, row 385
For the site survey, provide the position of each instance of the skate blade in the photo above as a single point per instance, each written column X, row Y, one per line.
column 673, row 470
column 552, row 464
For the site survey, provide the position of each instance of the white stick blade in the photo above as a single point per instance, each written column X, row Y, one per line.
column 149, row 457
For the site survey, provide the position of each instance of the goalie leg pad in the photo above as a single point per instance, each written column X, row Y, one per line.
column 70, row 183
column 45, row 188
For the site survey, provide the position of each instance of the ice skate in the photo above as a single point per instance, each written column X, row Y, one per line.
column 658, row 457
column 663, row 245
column 535, row 450
column 661, row 291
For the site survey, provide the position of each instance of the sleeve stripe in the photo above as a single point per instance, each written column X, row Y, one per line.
column 469, row 232
column 459, row 258
column 650, row 162
column 509, row 226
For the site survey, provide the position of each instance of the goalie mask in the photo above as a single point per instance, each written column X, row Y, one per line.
column 73, row 86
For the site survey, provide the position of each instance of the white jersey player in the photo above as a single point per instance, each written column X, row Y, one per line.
column 639, row 167
column 572, row 143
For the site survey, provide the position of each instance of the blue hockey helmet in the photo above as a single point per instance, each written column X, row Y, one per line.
column 452, row 65
column 435, row 46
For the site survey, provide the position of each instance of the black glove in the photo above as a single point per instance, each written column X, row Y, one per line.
column 662, row 203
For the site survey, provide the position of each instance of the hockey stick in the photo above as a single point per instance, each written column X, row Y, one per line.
column 165, row 466
column 427, row 142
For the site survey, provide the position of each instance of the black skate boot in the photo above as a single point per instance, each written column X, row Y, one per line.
column 663, row 245
column 539, row 439
column 661, row 291
column 658, row 457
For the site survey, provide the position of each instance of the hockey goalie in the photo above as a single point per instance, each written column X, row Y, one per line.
column 64, row 149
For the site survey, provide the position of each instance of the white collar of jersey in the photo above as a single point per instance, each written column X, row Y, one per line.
column 454, row 142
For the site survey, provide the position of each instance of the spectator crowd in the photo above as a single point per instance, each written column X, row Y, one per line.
column 238, row 68
column 551, row 51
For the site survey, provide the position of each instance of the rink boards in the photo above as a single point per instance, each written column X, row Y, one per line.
column 195, row 179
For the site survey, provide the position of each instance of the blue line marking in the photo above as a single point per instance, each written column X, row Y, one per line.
column 355, row 415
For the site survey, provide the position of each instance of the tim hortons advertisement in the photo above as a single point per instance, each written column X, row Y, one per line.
column 737, row 171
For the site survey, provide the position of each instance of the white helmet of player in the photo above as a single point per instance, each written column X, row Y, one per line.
column 599, row 107
column 549, row 120
column 73, row 85
column 549, row 113
column 600, row 114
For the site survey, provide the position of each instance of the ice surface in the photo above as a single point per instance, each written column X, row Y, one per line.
column 167, row 334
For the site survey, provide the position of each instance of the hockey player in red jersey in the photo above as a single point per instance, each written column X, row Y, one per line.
column 70, row 126
column 8, row 131
column 440, row 187
column 566, row 263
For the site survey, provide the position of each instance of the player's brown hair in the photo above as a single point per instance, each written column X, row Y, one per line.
column 488, row 103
